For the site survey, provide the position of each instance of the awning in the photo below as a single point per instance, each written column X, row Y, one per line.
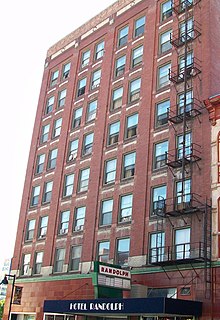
column 137, row 306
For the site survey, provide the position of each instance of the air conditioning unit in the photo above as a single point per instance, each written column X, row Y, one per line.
column 42, row 236
column 126, row 219
column 72, row 156
column 63, row 231
column 79, row 228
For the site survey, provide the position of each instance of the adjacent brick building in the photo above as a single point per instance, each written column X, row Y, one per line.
column 121, row 171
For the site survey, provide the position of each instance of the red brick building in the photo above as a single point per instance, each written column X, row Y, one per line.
column 121, row 169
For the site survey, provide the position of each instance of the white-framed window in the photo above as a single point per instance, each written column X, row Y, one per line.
column 54, row 78
column 189, row 102
column 123, row 36
column 52, row 159
column 64, row 222
column 96, row 78
column 99, row 50
column 159, row 194
column 87, row 143
column 120, row 66
column 49, row 104
column 81, row 87
column 91, row 110
column 61, row 98
column 66, row 70
column 30, row 229
column 25, row 264
column 57, row 127
column 162, row 112
column 85, row 58
column 79, row 218
column 183, row 194
column 83, row 180
column 59, row 260
column 166, row 10
column 134, row 89
column 77, row 117
column 35, row 196
column 38, row 261
column 103, row 251
column 122, row 251
column 68, row 185
column 182, row 243
column 110, row 171
column 117, row 95
column 137, row 56
column 125, row 212
column 139, row 26
column 43, row 227
column 75, row 257
column 163, row 76
column 106, row 212
column 129, row 160
column 113, row 133
column 73, row 149
column 47, row 194
column 40, row 164
column 180, row 147
column 131, row 126
column 190, row 30
column 45, row 133
column 160, row 154
column 156, row 248
column 165, row 44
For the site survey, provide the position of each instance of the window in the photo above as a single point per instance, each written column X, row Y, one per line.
column 83, row 180
column 129, row 165
column 137, row 56
column 106, row 212
column 81, row 87
column 157, row 242
column 68, row 185
column 30, row 229
column 126, row 208
column 103, row 251
column 165, row 44
column 66, row 70
column 182, row 30
column 64, row 222
column 117, row 98
column 110, row 171
column 131, row 126
column 87, row 144
column 43, row 227
column 189, row 64
column 77, row 117
column 189, row 102
column 59, row 260
column 38, row 262
column 162, row 112
column 49, row 105
column 96, row 78
column 45, row 133
column 122, row 254
column 79, row 218
column 180, row 148
column 113, row 132
column 166, row 10
column 47, row 192
column 139, row 26
column 73, row 149
column 183, row 194
column 99, row 50
column 35, row 196
column 61, row 98
column 40, row 163
column 162, row 292
column 160, row 154
column 91, row 111
column 163, row 76
column 57, row 127
column 134, row 90
column 158, row 200
column 52, row 159
column 123, row 36
column 26, row 264
column 54, row 78
column 182, row 243
column 85, row 58
column 75, row 257
column 120, row 66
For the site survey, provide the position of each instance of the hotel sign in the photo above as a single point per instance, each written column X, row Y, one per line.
column 111, row 271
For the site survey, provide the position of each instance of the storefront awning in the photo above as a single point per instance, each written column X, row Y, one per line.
column 137, row 306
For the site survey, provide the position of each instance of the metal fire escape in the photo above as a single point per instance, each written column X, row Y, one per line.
column 182, row 160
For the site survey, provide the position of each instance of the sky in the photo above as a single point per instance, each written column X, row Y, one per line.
column 28, row 30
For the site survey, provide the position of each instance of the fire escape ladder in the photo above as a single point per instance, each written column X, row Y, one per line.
column 208, row 249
